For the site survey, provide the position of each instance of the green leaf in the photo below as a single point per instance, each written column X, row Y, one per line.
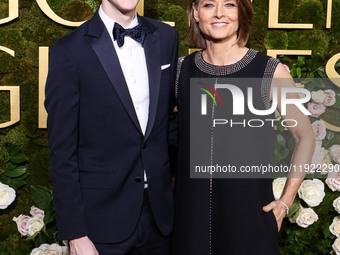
column 300, row 61
column 18, row 158
column 281, row 154
column 14, row 149
column 298, row 72
column 281, row 140
column 321, row 74
column 19, row 171
column 14, row 183
column 330, row 135
column 293, row 71
column 315, row 62
column 10, row 166
column 49, row 217
column 293, row 209
column 291, row 143
column 41, row 197
column 23, row 177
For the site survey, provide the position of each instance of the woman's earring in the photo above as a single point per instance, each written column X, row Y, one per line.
column 196, row 21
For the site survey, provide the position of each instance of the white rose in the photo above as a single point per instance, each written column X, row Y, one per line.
column 335, row 226
column 319, row 154
column 35, row 225
column 54, row 249
column 326, row 163
column 7, row 195
column 336, row 246
column 333, row 181
column 319, row 130
column 22, row 222
column 336, row 205
column 35, row 211
column 312, row 192
column 65, row 250
column 278, row 185
column 306, row 217
column 334, row 151
column 330, row 97
column 40, row 250
column 318, row 96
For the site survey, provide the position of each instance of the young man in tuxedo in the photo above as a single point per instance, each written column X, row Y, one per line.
column 109, row 97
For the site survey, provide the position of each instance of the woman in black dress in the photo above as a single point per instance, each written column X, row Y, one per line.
column 232, row 216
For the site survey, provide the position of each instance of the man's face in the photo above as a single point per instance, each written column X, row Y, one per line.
column 124, row 6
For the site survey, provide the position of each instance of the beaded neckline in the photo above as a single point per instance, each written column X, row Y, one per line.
column 224, row 70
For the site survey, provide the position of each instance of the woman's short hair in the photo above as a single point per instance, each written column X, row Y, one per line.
column 195, row 37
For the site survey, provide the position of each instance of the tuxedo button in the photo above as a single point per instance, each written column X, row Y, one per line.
column 144, row 145
column 138, row 179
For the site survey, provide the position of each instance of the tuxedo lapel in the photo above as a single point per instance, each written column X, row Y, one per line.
column 153, row 61
column 101, row 43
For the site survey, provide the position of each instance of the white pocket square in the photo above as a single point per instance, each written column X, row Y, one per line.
column 165, row 66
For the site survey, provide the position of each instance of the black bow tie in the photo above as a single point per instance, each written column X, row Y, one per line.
column 137, row 33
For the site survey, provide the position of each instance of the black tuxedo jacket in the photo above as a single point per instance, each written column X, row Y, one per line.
column 98, row 151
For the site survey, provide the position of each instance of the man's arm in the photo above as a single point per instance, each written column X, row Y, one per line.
column 62, row 105
column 173, row 125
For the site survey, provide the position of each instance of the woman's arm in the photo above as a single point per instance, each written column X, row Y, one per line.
column 304, row 148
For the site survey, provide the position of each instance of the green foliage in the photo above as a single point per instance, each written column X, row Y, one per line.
column 13, row 171
column 77, row 11
column 311, row 12
column 276, row 39
column 335, row 30
column 177, row 14
column 315, row 40
column 259, row 28
column 286, row 12
column 151, row 9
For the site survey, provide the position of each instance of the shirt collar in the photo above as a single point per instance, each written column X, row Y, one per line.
column 109, row 23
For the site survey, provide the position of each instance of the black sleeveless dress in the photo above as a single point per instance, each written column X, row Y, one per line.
column 224, row 216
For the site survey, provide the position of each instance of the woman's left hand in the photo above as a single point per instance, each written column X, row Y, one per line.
column 279, row 211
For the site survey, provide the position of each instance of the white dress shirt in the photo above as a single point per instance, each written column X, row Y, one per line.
column 133, row 63
column 132, row 60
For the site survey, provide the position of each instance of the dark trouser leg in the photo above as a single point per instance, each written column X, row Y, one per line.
column 146, row 239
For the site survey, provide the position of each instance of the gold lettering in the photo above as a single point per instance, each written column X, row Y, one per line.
column 43, row 5
column 331, row 127
column 335, row 78
column 330, row 70
column 43, row 71
column 273, row 18
column 14, row 97
column 329, row 14
column 274, row 53
column 7, row 50
column 13, row 11
column 14, row 105
column 140, row 8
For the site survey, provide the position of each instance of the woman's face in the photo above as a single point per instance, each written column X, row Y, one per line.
column 218, row 19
